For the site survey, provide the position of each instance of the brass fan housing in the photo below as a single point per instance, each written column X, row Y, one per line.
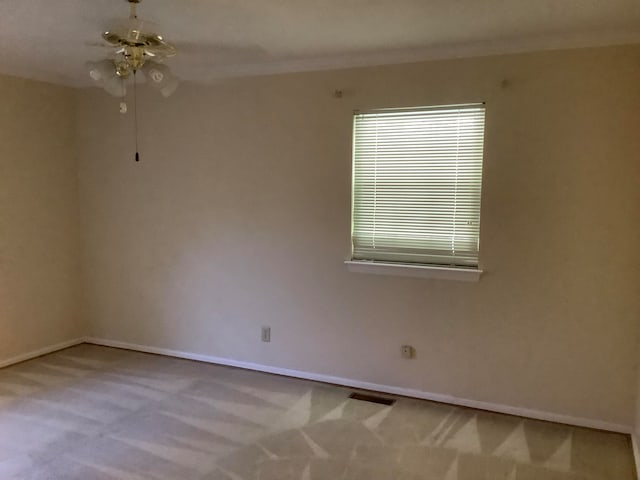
column 150, row 42
column 136, row 43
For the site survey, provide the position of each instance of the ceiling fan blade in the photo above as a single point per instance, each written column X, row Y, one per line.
column 135, row 32
column 161, row 50
column 221, row 52
column 97, row 44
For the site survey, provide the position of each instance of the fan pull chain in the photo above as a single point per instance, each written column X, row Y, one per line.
column 132, row 9
column 135, row 113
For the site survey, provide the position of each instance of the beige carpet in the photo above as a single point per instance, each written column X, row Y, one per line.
column 96, row 413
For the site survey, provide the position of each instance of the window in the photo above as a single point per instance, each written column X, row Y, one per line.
column 417, row 178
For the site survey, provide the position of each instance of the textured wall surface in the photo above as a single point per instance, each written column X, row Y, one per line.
column 38, row 216
column 238, row 216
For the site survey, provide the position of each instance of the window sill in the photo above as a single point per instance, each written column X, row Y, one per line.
column 465, row 274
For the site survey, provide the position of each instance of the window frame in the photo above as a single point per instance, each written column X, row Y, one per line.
column 443, row 270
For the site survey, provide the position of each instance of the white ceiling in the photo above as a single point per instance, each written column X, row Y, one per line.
column 51, row 39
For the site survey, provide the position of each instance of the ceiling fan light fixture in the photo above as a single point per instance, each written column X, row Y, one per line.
column 135, row 42
column 104, row 74
column 160, row 77
column 170, row 87
column 98, row 71
column 116, row 87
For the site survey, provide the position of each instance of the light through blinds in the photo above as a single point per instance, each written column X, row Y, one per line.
column 417, row 178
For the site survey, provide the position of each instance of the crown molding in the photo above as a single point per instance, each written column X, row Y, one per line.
column 417, row 55
column 208, row 74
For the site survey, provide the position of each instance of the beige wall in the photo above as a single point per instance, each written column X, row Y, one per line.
column 238, row 216
column 38, row 216
column 637, row 419
column 636, row 425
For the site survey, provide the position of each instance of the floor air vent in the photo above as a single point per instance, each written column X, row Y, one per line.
column 372, row 398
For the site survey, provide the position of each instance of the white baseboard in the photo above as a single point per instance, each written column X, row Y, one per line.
column 636, row 452
column 406, row 392
column 40, row 352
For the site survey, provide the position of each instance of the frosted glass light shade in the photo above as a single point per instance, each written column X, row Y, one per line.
column 104, row 75
column 160, row 77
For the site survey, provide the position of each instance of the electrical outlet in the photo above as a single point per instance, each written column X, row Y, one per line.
column 408, row 351
column 266, row 334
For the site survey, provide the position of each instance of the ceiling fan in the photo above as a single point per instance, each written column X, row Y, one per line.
column 136, row 46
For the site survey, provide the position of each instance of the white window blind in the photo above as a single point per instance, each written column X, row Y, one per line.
column 417, row 178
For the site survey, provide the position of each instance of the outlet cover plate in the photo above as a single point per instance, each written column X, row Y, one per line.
column 266, row 334
column 408, row 351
